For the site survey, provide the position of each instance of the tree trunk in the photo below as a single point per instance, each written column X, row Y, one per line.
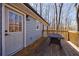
column 60, row 6
column 56, row 16
column 78, row 18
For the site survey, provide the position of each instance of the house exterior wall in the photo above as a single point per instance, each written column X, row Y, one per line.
column 32, row 33
column 0, row 29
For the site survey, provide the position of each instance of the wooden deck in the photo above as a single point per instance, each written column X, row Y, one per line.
column 45, row 50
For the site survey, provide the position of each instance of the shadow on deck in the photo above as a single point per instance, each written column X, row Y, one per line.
column 45, row 50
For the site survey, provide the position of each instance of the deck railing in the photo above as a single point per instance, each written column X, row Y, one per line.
column 72, row 36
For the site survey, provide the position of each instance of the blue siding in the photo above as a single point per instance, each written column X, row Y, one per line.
column 0, row 29
column 31, row 33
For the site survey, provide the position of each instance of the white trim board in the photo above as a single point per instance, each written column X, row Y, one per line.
column 3, row 29
column 74, row 46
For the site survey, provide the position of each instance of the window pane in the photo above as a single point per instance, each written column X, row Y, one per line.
column 11, row 22
column 16, row 23
column 20, row 23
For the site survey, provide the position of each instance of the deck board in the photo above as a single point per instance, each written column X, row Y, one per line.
column 53, row 50
column 46, row 50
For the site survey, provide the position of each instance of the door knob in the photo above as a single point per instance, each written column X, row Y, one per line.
column 6, row 34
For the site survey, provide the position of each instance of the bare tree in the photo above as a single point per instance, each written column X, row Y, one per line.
column 60, row 7
column 53, row 19
column 77, row 15
column 66, row 18
column 78, row 18
column 56, row 14
column 58, row 17
column 41, row 9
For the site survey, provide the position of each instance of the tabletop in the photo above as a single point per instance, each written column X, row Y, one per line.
column 55, row 35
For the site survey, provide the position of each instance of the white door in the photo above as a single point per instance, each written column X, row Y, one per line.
column 13, row 31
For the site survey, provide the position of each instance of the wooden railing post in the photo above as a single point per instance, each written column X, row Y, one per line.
column 68, row 36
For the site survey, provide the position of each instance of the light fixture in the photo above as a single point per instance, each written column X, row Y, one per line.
column 27, row 19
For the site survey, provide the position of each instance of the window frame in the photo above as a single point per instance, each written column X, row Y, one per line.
column 18, row 14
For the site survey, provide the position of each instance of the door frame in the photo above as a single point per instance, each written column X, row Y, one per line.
column 3, row 26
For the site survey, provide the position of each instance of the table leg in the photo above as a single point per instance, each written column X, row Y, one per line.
column 59, row 43
column 50, row 41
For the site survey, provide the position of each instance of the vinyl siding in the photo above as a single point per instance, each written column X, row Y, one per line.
column 31, row 33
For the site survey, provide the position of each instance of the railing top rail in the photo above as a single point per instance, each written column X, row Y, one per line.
column 63, row 31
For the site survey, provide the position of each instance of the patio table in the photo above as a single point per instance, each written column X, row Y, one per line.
column 55, row 38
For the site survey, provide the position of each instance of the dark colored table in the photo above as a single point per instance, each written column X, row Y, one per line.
column 55, row 38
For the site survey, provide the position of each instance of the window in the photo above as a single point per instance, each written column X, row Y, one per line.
column 15, row 22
